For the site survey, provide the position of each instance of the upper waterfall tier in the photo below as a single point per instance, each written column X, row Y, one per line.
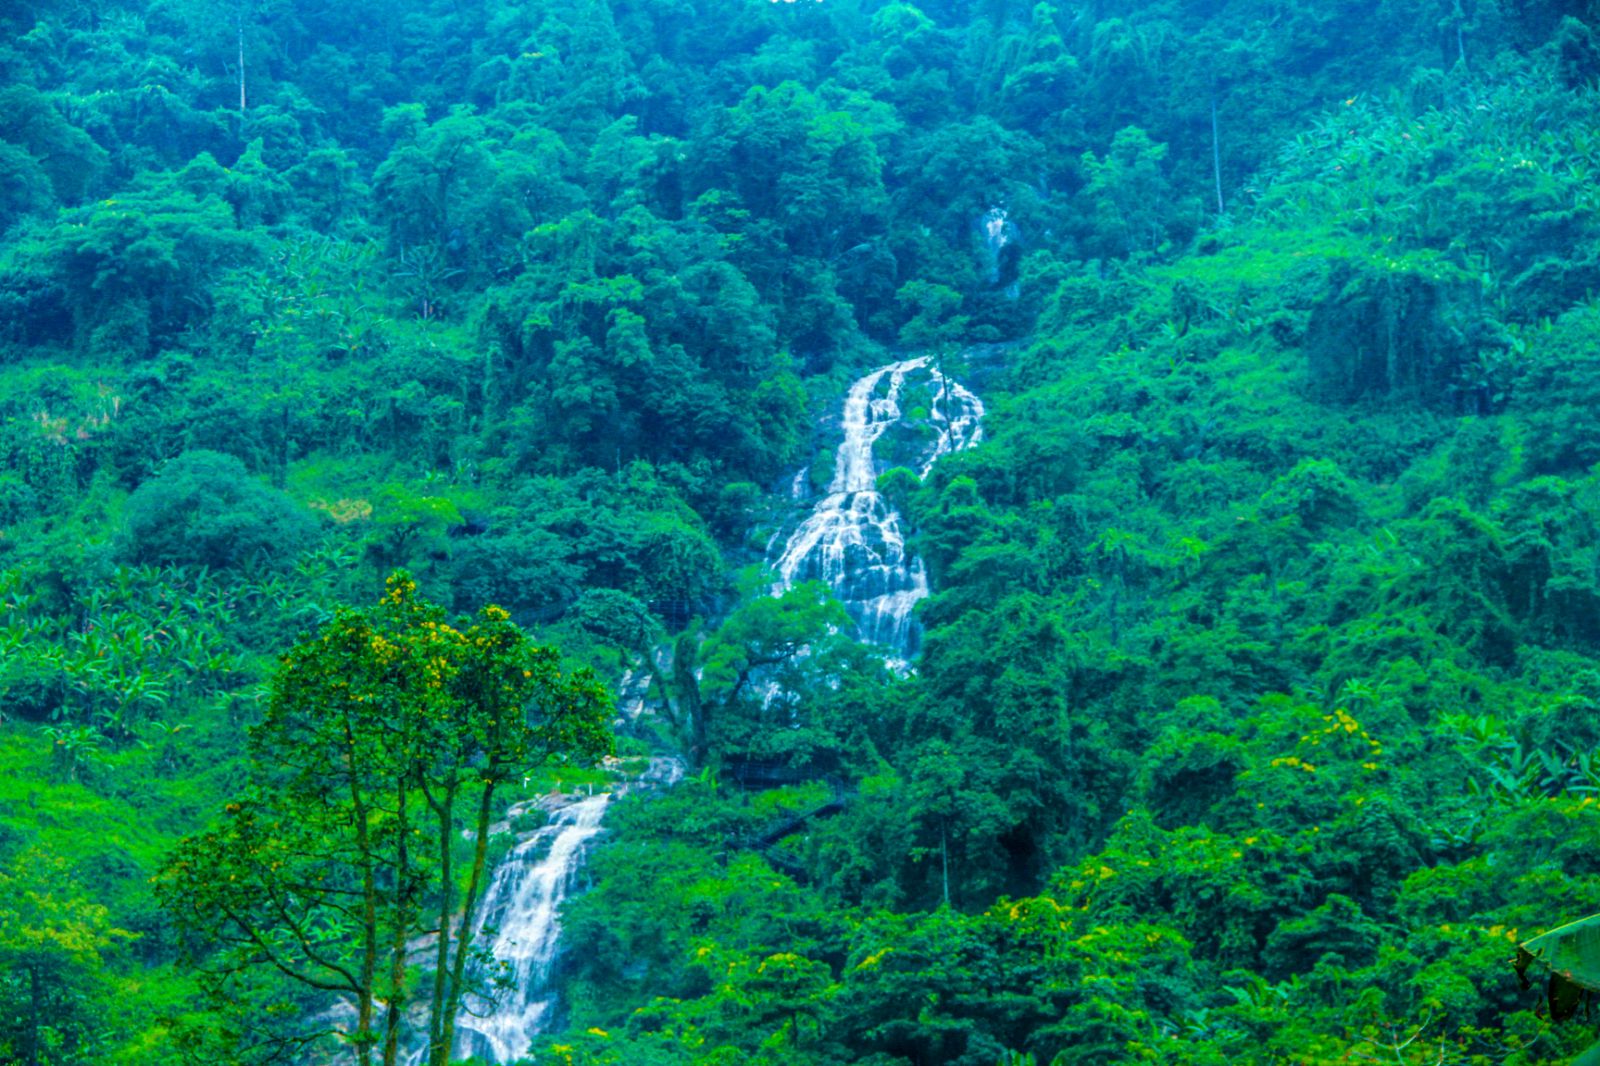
column 852, row 539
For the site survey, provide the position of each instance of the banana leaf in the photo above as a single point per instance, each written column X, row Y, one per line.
column 1572, row 955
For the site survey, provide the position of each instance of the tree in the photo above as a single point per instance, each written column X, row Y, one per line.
column 53, row 158
column 769, row 647
column 423, row 186
column 1126, row 196
column 135, row 269
column 51, row 940
column 387, row 739
column 205, row 508
column 408, row 519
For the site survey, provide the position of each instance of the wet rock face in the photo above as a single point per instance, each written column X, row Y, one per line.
column 852, row 540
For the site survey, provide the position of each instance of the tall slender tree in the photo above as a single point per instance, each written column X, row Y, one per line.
column 387, row 740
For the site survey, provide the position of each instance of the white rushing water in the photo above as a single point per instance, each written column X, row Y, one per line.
column 998, row 235
column 520, row 924
column 852, row 539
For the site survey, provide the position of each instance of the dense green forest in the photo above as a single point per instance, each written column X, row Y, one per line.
column 1257, row 711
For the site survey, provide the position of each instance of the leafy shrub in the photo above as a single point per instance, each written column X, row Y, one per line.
column 18, row 501
column 204, row 508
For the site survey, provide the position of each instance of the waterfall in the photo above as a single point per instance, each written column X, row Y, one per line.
column 999, row 237
column 852, row 539
column 519, row 925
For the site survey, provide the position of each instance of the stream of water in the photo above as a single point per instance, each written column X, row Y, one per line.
column 519, row 924
column 852, row 539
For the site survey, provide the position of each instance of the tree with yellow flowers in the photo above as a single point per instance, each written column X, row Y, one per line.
column 365, row 832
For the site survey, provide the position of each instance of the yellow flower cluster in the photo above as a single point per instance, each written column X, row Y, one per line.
column 787, row 958
column 1035, row 914
column 1493, row 932
column 443, row 631
column 400, row 589
column 1341, row 722
column 1338, row 724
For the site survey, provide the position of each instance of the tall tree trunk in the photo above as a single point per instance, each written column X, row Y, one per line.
column 444, row 809
column 239, row 23
column 395, row 1013
column 369, row 939
column 458, row 969
column 369, row 908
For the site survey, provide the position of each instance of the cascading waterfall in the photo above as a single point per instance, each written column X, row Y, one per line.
column 999, row 237
column 519, row 925
column 852, row 538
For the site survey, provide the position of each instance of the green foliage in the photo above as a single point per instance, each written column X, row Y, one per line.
column 1254, row 719
column 51, row 952
column 204, row 509
column 1127, row 196
column 1572, row 955
column 375, row 729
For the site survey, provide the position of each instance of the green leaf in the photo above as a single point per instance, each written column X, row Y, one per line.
column 1572, row 955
